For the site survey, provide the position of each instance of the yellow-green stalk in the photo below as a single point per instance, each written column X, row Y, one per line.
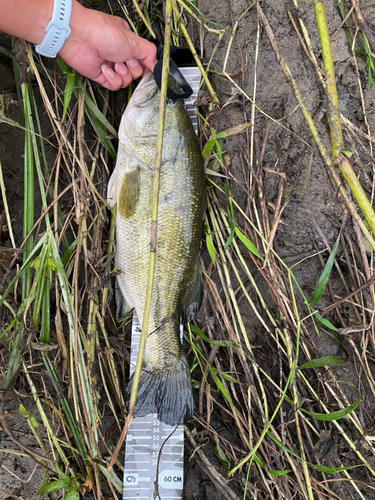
column 154, row 217
column 334, row 120
column 211, row 91
column 142, row 16
column 155, row 203
column 314, row 132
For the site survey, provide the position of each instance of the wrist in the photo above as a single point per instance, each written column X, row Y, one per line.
column 57, row 30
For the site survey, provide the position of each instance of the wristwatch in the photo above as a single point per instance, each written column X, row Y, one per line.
column 57, row 30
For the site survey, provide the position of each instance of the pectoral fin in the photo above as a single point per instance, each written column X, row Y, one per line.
column 112, row 189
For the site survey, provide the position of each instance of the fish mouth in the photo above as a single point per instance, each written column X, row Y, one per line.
column 149, row 77
column 146, row 90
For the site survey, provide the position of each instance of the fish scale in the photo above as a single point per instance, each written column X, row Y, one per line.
column 172, row 261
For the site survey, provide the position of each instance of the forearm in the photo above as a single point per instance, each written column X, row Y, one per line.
column 100, row 46
column 28, row 19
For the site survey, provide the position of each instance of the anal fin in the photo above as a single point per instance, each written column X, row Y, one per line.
column 122, row 307
column 192, row 300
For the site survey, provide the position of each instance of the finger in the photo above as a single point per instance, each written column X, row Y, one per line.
column 149, row 62
column 125, row 74
column 135, row 67
column 109, row 78
column 143, row 50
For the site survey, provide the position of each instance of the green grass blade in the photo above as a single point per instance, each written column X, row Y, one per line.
column 25, row 267
column 230, row 238
column 15, row 354
column 250, row 246
column 323, row 468
column 282, row 446
column 222, row 343
column 98, row 116
column 336, row 415
column 325, row 322
column 102, row 134
column 324, row 277
column 68, row 252
column 213, row 140
column 211, row 248
column 65, row 405
column 28, row 208
column 70, row 82
column 324, row 361
column 46, row 318
column 213, row 373
column 51, row 487
column 276, row 473
column 226, row 376
column 333, row 470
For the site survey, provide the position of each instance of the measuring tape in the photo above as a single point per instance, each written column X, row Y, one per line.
column 154, row 453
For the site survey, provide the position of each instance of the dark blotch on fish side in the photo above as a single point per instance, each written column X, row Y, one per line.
column 129, row 194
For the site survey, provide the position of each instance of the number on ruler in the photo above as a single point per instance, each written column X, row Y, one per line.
column 131, row 478
column 171, row 479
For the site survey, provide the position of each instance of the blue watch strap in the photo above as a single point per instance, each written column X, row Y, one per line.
column 57, row 30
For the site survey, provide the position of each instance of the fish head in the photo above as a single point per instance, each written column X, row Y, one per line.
column 139, row 125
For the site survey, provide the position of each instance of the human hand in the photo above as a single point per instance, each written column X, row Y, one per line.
column 104, row 49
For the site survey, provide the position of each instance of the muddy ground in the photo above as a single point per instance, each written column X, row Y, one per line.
column 312, row 212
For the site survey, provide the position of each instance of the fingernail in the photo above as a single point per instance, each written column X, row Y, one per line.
column 109, row 73
column 122, row 69
column 133, row 63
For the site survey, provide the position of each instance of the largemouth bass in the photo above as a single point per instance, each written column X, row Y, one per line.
column 165, row 385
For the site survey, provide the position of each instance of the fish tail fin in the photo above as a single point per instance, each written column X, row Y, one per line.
column 167, row 392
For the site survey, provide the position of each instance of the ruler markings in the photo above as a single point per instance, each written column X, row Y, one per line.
column 132, row 489
column 128, row 497
column 140, row 454
column 142, row 437
column 139, row 444
column 138, row 470
column 136, row 489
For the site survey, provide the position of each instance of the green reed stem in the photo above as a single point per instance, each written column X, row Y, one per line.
column 155, row 202
column 154, row 217
column 142, row 16
column 189, row 41
column 28, row 208
column 334, row 120
column 314, row 132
